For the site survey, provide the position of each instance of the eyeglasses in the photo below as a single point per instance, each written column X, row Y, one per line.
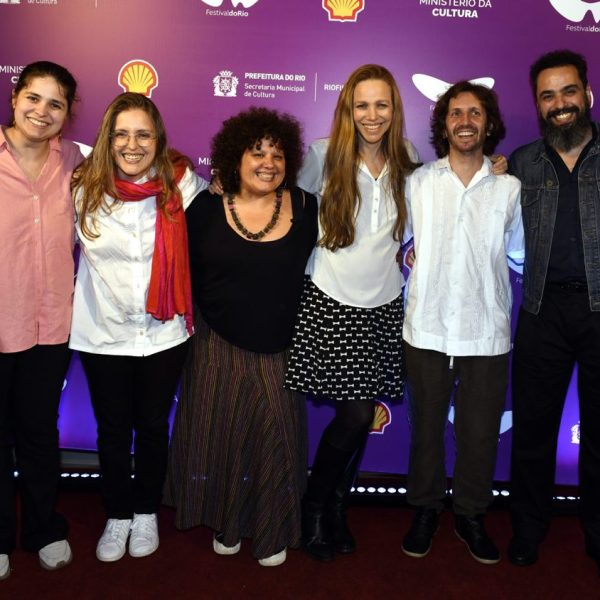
column 142, row 138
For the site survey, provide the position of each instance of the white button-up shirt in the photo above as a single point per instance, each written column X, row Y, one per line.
column 459, row 295
column 109, row 308
column 366, row 273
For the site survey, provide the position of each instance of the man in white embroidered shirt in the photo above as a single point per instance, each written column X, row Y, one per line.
column 465, row 222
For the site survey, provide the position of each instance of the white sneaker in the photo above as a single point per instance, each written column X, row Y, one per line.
column 111, row 545
column 4, row 566
column 55, row 555
column 144, row 535
column 223, row 550
column 274, row 560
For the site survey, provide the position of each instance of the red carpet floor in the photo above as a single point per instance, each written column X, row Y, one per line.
column 184, row 567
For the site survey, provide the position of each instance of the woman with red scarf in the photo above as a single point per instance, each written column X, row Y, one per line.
column 132, row 312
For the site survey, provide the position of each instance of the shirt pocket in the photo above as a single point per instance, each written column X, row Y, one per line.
column 60, row 200
column 531, row 201
column 64, row 206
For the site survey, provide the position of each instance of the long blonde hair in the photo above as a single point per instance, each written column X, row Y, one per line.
column 341, row 193
column 94, row 179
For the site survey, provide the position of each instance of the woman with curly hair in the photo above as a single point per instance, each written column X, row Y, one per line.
column 238, row 452
column 132, row 311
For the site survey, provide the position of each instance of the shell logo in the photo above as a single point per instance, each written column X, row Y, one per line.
column 138, row 76
column 382, row 418
column 343, row 10
column 409, row 256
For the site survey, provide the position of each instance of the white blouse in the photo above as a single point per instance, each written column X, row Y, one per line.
column 365, row 274
column 109, row 309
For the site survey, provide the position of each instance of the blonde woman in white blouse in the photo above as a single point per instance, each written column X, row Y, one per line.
column 347, row 345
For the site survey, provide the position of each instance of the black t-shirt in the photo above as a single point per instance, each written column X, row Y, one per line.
column 566, row 254
column 249, row 292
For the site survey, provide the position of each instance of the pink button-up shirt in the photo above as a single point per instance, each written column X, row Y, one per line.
column 36, row 249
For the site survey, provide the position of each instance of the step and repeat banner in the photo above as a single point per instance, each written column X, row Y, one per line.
column 202, row 61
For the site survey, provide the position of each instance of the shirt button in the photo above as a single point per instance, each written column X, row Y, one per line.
column 36, row 220
column 36, row 197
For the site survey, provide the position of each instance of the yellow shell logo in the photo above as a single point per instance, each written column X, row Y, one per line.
column 343, row 10
column 409, row 257
column 382, row 418
column 138, row 76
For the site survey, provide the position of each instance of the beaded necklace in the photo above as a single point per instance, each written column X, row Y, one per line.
column 258, row 235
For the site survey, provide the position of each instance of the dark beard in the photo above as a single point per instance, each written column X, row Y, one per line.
column 566, row 137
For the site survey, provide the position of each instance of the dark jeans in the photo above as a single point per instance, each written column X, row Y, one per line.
column 478, row 403
column 30, row 387
column 133, row 394
column 547, row 347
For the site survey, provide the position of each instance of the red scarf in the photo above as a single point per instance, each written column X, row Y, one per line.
column 170, row 290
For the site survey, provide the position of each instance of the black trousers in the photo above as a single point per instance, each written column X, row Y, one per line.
column 478, row 402
column 547, row 348
column 133, row 394
column 30, row 387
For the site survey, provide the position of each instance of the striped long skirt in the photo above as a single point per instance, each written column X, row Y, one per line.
column 238, row 457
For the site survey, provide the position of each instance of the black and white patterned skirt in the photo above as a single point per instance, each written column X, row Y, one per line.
column 346, row 352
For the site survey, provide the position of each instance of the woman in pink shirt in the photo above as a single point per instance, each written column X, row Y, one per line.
column 36, row 289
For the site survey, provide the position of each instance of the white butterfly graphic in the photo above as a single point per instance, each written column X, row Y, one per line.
column 575, row 10
column 235, row 3
column 433, row 88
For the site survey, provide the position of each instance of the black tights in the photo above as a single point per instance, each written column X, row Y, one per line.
column 349, row 427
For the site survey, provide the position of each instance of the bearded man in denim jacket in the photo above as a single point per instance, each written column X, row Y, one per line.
column 559, row 321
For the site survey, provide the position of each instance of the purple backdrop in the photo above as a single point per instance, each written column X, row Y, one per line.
column 204, row 60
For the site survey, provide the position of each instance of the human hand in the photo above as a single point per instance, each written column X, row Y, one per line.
column 215, row 187
column 499, row 164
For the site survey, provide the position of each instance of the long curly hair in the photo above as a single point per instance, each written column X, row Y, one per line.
column 341, row 195
column 243, row 131
column 94, row 180
column 495, row 129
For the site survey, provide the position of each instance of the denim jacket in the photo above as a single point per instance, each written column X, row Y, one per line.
column 539, row 202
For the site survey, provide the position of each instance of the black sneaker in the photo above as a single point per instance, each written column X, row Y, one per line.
column 522, row 551
column 417, row 542
column 472, row 532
